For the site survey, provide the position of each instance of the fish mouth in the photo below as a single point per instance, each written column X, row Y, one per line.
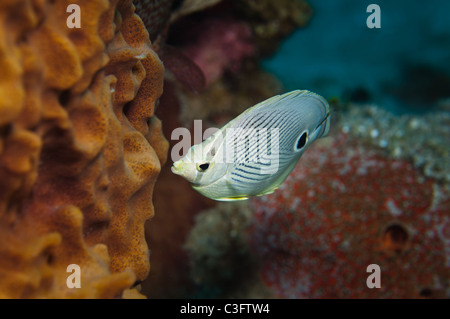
column 177, row 167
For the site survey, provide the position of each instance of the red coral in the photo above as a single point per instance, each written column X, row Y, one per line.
column 343, row 208
column 220, row 44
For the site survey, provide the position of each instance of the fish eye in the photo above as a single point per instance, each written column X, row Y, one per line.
column 302, row 141
column 203, row 167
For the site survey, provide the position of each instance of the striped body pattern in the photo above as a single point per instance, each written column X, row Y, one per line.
column 254, row 153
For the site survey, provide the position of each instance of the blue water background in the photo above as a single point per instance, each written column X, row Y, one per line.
column 336, row 52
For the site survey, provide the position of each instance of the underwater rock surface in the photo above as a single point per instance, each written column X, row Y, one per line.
column 424, row 139
column 219, row 256
column 78, row 159
column 349, row 203
column 218, row 45
column 344, row 207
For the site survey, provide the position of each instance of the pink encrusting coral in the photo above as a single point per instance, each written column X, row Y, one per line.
column 344, row 207
column 219, row 44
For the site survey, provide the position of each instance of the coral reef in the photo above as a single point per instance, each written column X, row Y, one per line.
column 222, row 37
column 183, row 68
column 219, row 44
column 190, row 6
column 349, row 203
column 224, row 41
column 272, row 21
column 175, row 203
column 170, row 275
column 156, row 15
column 227, row 222
column 221, row 262
column 423, row 139
column 80, row 148
column 347, row 206
column 240, row 84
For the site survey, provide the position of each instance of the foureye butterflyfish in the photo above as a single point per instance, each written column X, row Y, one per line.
column 254, row 153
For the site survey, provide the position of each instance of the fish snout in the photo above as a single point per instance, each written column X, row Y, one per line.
column 186, row 170
column 177, row 167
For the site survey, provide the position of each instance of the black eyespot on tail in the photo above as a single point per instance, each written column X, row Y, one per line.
column 302, row 141
column 203, row 167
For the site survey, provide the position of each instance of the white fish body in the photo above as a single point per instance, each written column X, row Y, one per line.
column 254, row 153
